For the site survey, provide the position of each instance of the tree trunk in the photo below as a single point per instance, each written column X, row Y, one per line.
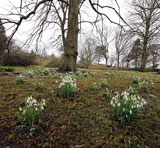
column 117, row 60
column 144, row 56
column 70, row 45
column 106, row 59
column 143, row 62
column 136, row 60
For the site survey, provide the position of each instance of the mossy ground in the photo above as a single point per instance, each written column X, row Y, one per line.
column 82, row 121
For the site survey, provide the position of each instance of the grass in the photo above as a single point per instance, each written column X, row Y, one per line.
column 84, row 120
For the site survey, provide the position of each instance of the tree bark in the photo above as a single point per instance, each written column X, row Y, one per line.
column 118, row 60
column 143, row 62
column 144, row 55
column 70, row 45
column 106, row 59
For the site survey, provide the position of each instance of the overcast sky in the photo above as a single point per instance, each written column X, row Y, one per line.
column 7, row 6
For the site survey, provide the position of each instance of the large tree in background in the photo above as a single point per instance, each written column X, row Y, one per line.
column 135, row 53
column 154, row 57
column 122, row 43
column 3, row 38
column 45, row 12
column 145, row 20
column 87, row 53
column 103, row 40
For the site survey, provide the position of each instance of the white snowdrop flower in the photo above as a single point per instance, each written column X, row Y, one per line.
column 44, row 102
column 118, row 104
column 111, row 102
column 20, row 108
column 123, row 109
column 24, row 111
column 130, row 112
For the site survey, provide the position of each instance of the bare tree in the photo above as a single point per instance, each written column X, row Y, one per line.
column 46, row 10
column 102, row 50
column 3, row 39
column 135, row 53
column 98, row 55
column 87, row 53
column 122, row 42
column 154, row 57
column 145, row 20
column 112, row 59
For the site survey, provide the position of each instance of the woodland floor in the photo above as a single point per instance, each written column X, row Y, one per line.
column 83, row 121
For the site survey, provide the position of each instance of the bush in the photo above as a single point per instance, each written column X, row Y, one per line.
column 53, row 62
column 19, row 58
column 8, row 69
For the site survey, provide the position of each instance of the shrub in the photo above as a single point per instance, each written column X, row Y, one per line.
column 32, row 111
column 19, row 58
column 8, row 69
column 68, row 86
column 127, row 106
column 53, row 62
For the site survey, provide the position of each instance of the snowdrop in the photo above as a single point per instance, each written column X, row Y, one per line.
column 32, row 111
column 20, row 79
column 68, row 86
column 126, row 105
column 29, row 73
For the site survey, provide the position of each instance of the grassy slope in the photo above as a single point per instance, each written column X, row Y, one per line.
column 85, row 120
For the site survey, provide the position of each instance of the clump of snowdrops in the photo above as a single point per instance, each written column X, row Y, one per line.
column 32, row 111
column 20, row 79
column 145, row 85
column 68, row 86
column 127, row 106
